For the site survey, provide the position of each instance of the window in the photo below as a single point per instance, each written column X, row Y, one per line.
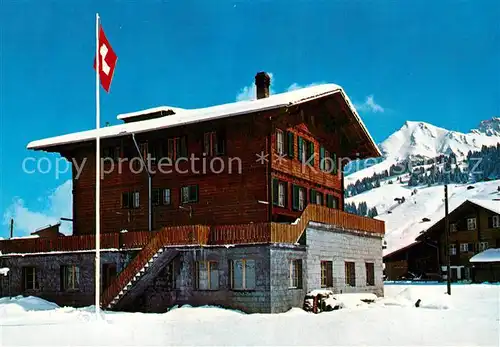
column 166, row 196
column 214, row 143
column 482, row 246
column 70, row 277
column 130, row 200
column 325, row 161
column 299, row 198
column 350, row 274
column 290, row 143
column 280, row 142
column 296, row 273
column 279, row 193
column 189, row 194
column 177, row 148
column 471, row 223
column 332, row 201
column 494, row 222
column 160, row 196
column 306, row 150
column 466, row 247
column 370, row 274
column 453, row 250
column 282, row 194
column 207, row 275
column 326, row 274
column 316, row 197
column 453, row 227
column 30, row 278
column 242, row 274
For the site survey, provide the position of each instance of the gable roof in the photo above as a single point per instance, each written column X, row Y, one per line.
column 491, row 205
column 189, row 116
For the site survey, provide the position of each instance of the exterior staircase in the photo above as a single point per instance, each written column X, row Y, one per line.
column 146, row 265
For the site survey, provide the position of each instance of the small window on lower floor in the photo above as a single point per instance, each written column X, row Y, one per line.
column 242, row 274
column 189, row 194
column 70, row 277
column 30, row 278
column 326, row 274
column 350, row 274
column 207, row 275
column 296, row 273
column 370, row 274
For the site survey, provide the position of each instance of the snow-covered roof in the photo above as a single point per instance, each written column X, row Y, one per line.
column 488, row 256
column 189, row 116
column 492, row 205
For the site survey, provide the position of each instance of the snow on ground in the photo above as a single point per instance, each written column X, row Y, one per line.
column 404, row 222
column 469, row 317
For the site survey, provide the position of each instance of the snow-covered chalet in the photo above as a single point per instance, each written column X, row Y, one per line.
column 238, row 205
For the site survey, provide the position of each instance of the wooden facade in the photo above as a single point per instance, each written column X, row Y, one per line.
column 473, row 229
column 231, row 185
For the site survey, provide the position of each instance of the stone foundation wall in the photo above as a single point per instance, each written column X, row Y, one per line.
column 48, row 275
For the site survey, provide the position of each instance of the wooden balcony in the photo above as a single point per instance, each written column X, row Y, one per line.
column 199, row 234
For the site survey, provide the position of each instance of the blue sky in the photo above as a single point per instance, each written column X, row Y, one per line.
column 430, row 61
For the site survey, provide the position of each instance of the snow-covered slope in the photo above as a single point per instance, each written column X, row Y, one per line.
column 422, row 140
column 426, row 140
column 404, row 221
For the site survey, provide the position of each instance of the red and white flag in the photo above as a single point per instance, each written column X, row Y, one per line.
column 107, row 61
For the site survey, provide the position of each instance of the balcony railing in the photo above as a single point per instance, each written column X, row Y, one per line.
column 202, row 235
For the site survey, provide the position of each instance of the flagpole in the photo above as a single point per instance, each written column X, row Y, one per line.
column 97, row 176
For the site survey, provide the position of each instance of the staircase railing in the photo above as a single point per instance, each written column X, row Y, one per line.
column 181, row 235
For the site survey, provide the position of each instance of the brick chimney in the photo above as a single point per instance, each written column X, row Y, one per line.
column 262, row 83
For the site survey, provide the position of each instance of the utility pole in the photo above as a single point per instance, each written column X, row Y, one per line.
column 447, row 238
column 11, row 228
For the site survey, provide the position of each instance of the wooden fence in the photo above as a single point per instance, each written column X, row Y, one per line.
column 205, row 235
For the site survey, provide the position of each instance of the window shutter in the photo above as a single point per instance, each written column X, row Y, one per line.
column 312, row 195
column 334, row 163
column 193, row 193
column 490, row 222
column 322, row 158
column 301, row 147
column 286, row 193
column 310, row 152
column 470, row 247
column 221, row 143
column 295, row 197
column 290, row 142
column 275, row 191
column 125, row 200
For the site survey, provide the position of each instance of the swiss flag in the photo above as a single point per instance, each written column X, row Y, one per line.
column 107, row 62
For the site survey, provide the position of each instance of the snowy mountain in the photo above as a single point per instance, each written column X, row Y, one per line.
column 426, row 140
column 490, row 127
column 403, row 207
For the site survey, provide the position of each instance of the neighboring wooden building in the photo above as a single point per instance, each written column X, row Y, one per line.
column 240, row 173
column 474, row 228
column 419, row 259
